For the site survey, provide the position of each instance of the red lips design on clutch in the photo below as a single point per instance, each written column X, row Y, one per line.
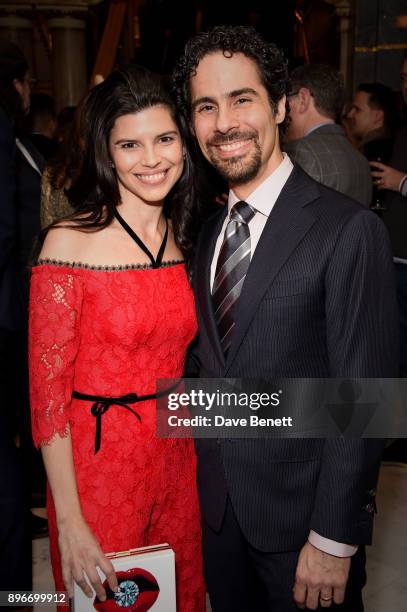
column 138, row 591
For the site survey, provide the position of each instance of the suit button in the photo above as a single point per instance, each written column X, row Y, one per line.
column 369, row 508
column 372, row 492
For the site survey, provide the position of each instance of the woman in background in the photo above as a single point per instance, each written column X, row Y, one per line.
column 111, row 312
column 64, row 167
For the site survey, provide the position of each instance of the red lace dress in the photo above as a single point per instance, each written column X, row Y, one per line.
column 110, row 332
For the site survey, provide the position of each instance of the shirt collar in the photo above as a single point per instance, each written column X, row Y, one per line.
column 318, row 125
column 265, row 195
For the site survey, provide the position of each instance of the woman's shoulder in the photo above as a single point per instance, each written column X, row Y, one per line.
column 64, row 242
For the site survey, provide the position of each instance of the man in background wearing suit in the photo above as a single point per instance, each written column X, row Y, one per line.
column 316, row 142
column 292, row 279
column 15, row 543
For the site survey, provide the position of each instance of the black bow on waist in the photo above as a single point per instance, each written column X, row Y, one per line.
column 102, row 404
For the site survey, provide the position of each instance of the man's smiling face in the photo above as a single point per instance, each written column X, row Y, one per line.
column 232, row 119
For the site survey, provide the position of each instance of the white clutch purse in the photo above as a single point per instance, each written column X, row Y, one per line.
column 146, row 579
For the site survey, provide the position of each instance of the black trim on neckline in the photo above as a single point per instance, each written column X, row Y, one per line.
column 102, row 268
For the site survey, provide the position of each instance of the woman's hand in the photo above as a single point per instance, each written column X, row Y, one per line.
column 385, row 177
column 80, row 555
column 80, row 551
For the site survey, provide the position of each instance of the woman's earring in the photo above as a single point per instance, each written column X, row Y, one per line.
column 184, row 154
column 111, row 164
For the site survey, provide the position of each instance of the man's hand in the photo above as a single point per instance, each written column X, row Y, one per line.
column 386, row 177
column 320, row 578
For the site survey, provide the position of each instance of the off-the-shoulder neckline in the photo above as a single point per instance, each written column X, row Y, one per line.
column 105, row 268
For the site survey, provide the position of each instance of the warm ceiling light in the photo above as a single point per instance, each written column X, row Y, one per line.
column 401, row 21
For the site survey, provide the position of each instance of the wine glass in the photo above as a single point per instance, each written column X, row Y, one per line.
column 377, row 204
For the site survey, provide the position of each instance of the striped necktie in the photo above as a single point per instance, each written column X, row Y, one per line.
column 231, row 269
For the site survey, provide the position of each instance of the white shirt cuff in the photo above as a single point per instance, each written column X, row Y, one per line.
column 402, row 183
column 337, row 549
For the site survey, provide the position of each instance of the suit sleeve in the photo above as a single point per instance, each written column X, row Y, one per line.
column 362, row 337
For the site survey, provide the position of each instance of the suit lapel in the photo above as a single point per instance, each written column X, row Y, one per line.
column 208, row 239
column 287, row 224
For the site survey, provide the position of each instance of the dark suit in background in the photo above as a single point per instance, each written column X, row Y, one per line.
column 28, row 203
column 15, row 545
column 10, row 308
column 395, row 218
column 30, row 165
column 309, row 307
column 395, row 215
column 47, row 147
column 328, row 157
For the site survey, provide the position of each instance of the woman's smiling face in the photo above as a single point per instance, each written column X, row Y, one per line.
column 147, row 153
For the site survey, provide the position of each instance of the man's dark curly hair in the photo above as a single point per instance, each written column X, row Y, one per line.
column 270, row 61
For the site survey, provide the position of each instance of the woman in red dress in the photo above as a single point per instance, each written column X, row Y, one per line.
column 112, row 311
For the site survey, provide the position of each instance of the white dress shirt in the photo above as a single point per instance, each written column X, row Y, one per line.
column 262, row 201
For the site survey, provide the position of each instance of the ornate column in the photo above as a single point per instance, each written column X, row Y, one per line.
column 345, row 11
column 52, row 35
column 68, row 59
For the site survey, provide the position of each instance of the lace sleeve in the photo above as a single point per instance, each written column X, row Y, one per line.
column 55, row 309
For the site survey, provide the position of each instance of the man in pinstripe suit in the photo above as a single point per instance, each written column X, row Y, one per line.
column 310, row 294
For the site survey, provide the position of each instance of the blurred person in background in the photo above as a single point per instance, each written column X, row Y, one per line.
column 15, row 544
column 29, row 166
column 371, row 120
column 41, row 125
column 63, row 168
column 65, row 119
column 315, row 140
column 391, row 179
column 393, row 176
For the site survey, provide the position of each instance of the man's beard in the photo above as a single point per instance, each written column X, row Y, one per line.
column 236, row 170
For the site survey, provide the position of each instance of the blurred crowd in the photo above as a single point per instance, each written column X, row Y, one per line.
column 359, row 149
column 357, row 146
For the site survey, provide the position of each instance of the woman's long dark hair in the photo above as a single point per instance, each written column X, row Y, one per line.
column 94, row 193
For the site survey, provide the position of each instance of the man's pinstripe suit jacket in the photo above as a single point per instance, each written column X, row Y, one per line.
column 318, row 301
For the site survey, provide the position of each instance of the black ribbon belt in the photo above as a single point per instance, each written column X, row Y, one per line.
column 101, row 404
